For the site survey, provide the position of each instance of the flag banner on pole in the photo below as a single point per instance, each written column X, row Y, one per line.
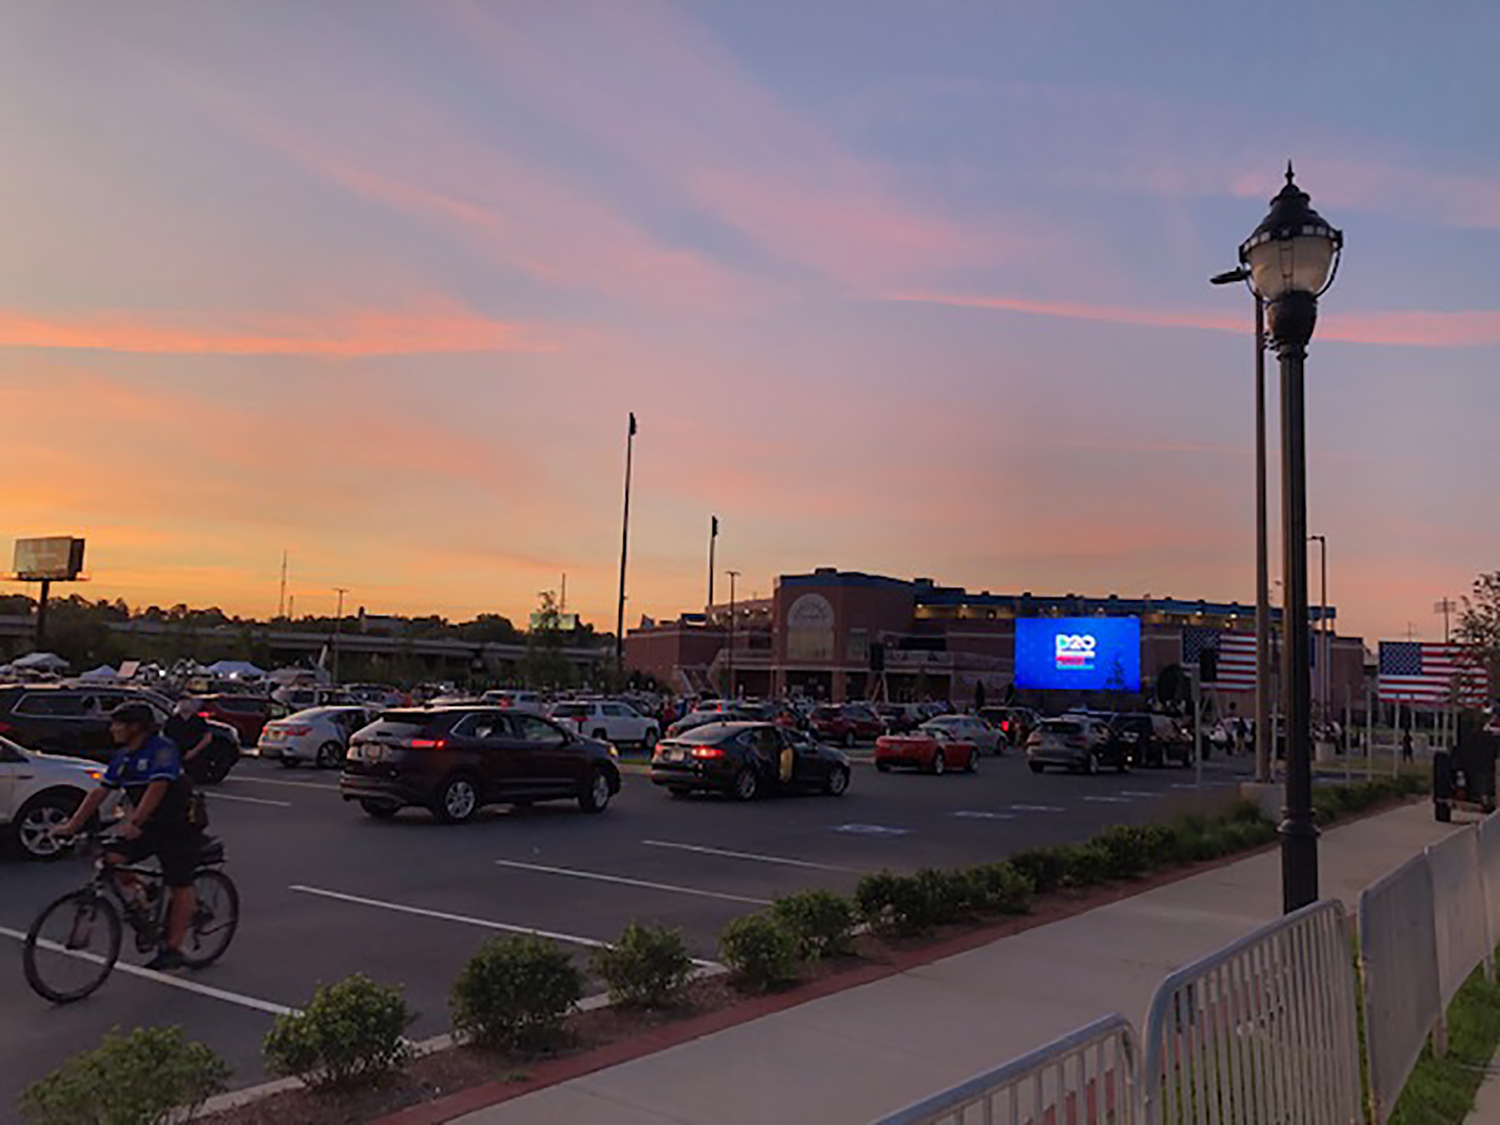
column 1236, row 654
column 714, row 527
column 632, row 423
column 1424, row 672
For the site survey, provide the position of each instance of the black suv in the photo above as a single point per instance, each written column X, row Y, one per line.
column 747, row 759
column 1151, row 740
column 55, row 719
column 453, row 760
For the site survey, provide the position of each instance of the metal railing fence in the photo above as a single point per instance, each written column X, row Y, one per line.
column 1264, row 1030
column 1084, row 1078
column 1459, row 913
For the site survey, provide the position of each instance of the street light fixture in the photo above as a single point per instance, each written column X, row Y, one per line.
column 1263, row 732
column 1293, row 257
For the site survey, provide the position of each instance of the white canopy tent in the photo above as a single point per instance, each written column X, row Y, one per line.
column 235, row 670
column 40, row 662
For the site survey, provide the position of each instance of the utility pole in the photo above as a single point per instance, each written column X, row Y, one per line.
column 713, row 536
column 563, row 607
column 281, row 603
column 624, row 545
column 338, row 630
column 1446, row 606
column 733, row 574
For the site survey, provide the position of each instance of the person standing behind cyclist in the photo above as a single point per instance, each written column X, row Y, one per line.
column 159, row 822
column 192, row 735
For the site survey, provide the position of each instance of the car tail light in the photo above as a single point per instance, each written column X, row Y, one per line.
column 295, row 732
column 1005, row 724
column 708, row 751
column 428, row 743
column 6, row 728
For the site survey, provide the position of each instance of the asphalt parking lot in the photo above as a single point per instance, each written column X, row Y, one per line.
column 326, row 891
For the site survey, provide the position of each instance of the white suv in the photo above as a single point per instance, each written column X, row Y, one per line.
column 38, row 792
column 607, row 721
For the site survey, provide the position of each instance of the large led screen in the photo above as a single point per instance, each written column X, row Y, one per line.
column 1078, row 653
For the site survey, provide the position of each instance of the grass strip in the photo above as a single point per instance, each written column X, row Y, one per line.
column 1441, row 1091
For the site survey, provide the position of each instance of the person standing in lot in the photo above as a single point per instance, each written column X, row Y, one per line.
column 1406, row 744
column 190, row 731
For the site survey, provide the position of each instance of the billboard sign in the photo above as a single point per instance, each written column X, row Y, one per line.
column 1078, row 653
column 57, row 558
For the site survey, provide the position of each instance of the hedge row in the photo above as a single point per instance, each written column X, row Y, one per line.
column 516, row 991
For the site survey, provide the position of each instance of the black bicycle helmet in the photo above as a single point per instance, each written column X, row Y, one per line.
column 134, row 714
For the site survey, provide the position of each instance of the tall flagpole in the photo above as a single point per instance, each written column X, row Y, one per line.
column 624, row 545
column 713, row 535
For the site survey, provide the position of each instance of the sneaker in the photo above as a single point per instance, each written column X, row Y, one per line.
column 145, row 929
column 166, row 961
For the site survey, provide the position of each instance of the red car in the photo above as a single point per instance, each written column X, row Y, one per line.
column 846, row 725
column 247, row 714
column 926, row 748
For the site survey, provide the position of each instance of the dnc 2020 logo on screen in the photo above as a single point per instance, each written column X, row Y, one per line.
column 1078, row 653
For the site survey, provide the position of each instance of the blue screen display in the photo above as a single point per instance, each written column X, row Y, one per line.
column 1079, row 653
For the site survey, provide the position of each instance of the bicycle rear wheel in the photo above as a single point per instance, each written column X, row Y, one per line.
column 72, row 946
column 215, row 918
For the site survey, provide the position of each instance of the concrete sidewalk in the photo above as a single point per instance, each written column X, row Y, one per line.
column 870, row 1050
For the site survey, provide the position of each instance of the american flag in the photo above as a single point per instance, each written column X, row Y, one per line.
column 1422, row 672
column 1236, row 654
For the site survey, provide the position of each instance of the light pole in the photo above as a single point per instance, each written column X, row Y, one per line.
column 1264, row 735
column 733, row 574
column 1446, row 607
column 624, row 544
column 1325, row 682
column 713, row 537
column 1293, row 257
column 338, row 630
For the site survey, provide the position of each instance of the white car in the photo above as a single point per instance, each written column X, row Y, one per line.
column 301, row 698
column 970, row 728
column 376, row 695
column 38, row 792
column 508, row 700
column 319, row 735
column 607, row 721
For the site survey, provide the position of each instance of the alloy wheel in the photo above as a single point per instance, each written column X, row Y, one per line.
column 459, row 799
column 35, row 831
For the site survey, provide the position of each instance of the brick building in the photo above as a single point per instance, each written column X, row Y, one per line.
column 814, row 637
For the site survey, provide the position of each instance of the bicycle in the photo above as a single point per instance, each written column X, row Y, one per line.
column 74, row 943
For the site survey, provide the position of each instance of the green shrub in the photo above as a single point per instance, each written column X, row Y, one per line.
column 351, row 1032
column 1128, row 847
column 648, row 967
column 515, row 992
column 1043, row 868
column 1002, row 888
column 140, row 1078
column 1085, row 865
column 761, row 950
column 821, row 921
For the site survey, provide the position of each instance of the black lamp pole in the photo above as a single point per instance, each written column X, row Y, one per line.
column 1292, row 257
column 624, row 545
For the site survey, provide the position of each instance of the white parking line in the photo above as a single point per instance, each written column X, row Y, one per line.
column 163, row 978
column 468, row 920
column 1100, row 800
column 981, row 814
column 277, row 781
column 751, row 855
column 252, row 800
column 577, row 874
column 1037, row 808
column 1139, row 793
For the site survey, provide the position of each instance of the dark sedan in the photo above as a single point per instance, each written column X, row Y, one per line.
column 454, row 760
column 745, row 760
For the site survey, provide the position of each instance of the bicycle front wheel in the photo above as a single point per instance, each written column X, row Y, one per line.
column 72, row 946
column 216, row 915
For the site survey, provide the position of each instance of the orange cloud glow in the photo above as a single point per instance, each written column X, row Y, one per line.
column 440, row 329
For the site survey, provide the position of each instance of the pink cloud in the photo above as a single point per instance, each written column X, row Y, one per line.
column 1410, row 328
column 417, row 161
column 738, row 152
column 440, row 328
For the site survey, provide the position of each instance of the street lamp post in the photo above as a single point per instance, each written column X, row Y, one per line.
column 1292, row 258
column 1325, row 646
column 338, row 630
column 1264, row 735
column 624, row 545
column 733, row 574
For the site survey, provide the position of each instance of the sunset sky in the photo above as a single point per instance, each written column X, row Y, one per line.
column 918, row 289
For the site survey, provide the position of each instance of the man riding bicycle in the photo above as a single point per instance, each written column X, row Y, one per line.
column 159, row 821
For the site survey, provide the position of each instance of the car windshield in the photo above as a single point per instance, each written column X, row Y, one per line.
column 1062, row 726
column 572, row 711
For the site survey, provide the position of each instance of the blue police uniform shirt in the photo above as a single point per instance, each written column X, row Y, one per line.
column 158, row 759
